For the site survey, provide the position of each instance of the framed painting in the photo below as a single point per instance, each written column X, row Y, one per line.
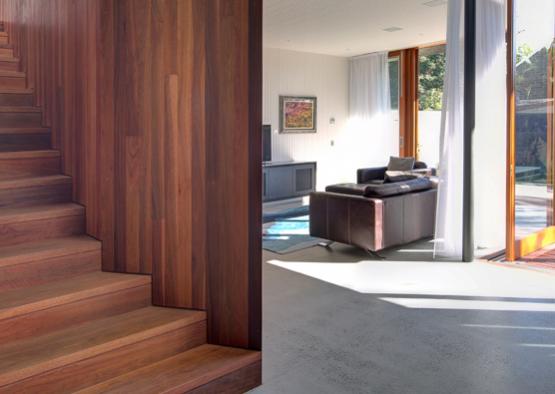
column 297, row 114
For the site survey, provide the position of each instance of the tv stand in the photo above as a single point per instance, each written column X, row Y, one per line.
column 283, row 180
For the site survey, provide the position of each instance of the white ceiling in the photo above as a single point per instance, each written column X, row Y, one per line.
column 351, row 27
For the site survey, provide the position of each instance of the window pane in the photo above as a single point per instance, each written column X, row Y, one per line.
column 394, row 82
column 431, row 75
column 534, row 33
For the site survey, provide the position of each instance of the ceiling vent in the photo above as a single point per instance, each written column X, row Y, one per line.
column 435, row 3
column 392, row 29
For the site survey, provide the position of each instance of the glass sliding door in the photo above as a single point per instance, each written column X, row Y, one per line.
column 431, row 75
column 532, row 162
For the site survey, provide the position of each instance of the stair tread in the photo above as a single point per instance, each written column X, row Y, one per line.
column 24, row 130
column 181, row 373
column 22, row 301
column 45, row 249
column 28, row 357
column 20, row 109
column 38, row 212
column 29, row 154
column 46, row 180
column 10, row 59
column 13, row 74
column 16, row 91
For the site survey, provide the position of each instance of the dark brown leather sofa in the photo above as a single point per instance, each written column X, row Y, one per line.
column 373, row 214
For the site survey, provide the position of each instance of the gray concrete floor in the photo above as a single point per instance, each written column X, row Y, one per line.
column 335, row 322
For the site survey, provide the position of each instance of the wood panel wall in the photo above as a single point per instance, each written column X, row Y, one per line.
column 155, row 106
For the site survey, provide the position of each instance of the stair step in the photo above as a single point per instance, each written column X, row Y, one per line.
column 3, row 39
column 34, row 223
column 12, row 116
column 8, row 63
column 185, row 372
column 17, row 139
column 16, row 90
column 6, row 49
column 14, row 99
column 24, row 164
column 37, row 190
column 12, row 79
column 60, row 304
column 49, row 260
column 87, row 354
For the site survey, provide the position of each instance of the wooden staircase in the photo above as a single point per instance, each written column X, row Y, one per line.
column 66, row 326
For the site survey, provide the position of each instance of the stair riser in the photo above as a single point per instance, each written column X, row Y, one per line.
column 105, row 366
column 35, row 195
column 60, row 317
column 7, row 52
column 20, row 119
column 29, row 167
column 20, row 142
column 15, row 100
column 12, row 82
column 35, row 230
column 41, row 271
column 3, row 39
column 9, row 66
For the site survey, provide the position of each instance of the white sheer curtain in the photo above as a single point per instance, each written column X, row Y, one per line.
column 370, row 137
column 448, row 242
column 369, row 86
column 489, row 150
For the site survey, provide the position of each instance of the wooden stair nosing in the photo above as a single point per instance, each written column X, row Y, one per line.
column 4, row 90
column 30, row 154
column 21, row 301
column 31, row 357
column 9, row 59
column 181, row 373
column 20, row 109
column 24, row 130
column 39, row 212
column 11, row 74
column 46, row 180
column 26, row 192
column 47, row 249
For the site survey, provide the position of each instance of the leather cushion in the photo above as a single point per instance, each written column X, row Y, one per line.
column 396, row 188
column 356, row 189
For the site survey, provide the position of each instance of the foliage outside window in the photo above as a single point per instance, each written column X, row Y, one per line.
column 431, row 75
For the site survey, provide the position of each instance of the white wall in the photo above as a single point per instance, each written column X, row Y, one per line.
column 339, row 149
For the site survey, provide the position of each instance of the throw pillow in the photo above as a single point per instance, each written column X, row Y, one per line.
column 400, row 163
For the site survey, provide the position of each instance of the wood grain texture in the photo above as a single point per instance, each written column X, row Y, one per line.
column 45, row 261
column 94, row 370
column 155, row 108
column 233, row 163
column 39, row 355
column 185, row 372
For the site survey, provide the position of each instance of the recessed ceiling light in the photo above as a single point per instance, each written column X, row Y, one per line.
column 392, row 29
column 435, row 3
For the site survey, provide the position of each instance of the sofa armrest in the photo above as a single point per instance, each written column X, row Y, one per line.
column 366, row 175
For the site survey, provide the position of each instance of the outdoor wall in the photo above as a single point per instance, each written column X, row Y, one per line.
column 340, row 148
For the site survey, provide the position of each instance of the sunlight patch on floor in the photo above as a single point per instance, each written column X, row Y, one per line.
column 442, row 303
column 428, row 278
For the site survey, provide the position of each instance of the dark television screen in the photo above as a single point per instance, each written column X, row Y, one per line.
column 266, row 143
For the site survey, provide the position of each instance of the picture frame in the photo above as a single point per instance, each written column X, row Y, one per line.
column 298, row 114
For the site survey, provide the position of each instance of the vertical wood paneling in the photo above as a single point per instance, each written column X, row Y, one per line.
column 155, row 106
column 234, row 117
